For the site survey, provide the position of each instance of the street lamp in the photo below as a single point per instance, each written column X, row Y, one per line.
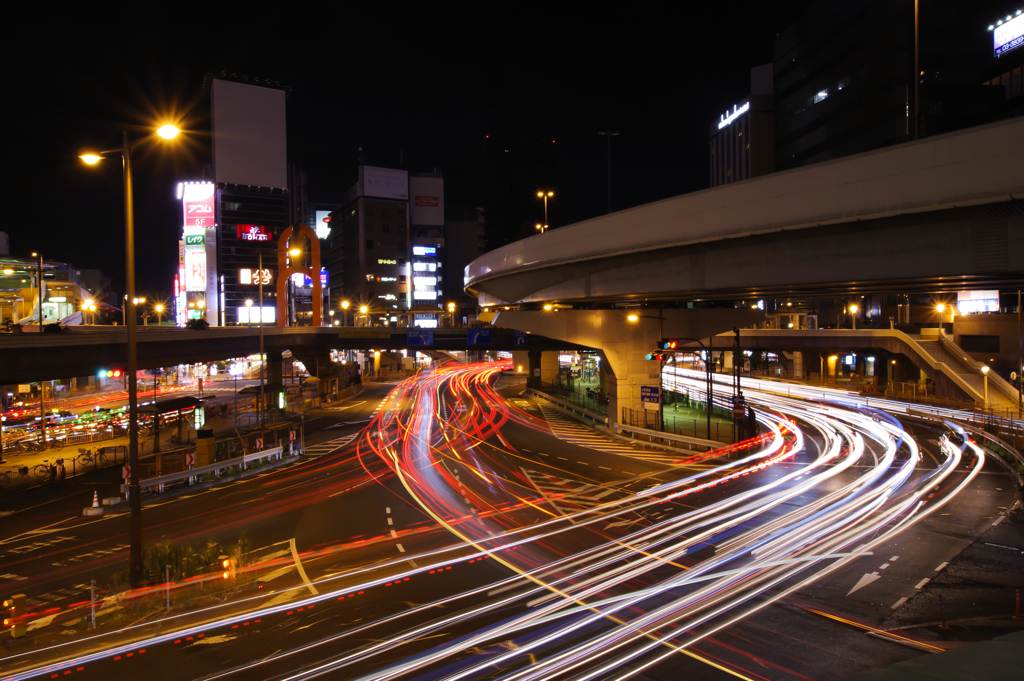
column 853, row 316
column 344, row 312
column 332, row 317
column 451, row 313
column 292, row 252
column 134, row 496
column 39, row 289
column 159, row 313
column 608, row 134
column 545, row 195
column 542, row 228
column 248, row 313
column 362, row 311
column 984, row 372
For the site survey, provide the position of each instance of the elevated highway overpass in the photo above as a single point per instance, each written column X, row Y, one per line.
column 937, row 215
column 941, row 214
column 84, row 350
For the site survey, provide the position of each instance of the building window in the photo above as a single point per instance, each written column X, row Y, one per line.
column 368, row 211
column 369, row 243
column 386, row 229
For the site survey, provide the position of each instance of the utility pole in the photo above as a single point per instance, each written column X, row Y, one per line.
column 608, row 134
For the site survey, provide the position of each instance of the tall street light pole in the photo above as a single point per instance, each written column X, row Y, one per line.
column 545, row 195
column 134, row 495
column 608, row 134
column 42, row 388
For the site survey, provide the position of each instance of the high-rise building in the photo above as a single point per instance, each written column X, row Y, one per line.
column 850, row 77
column 742, row 141
column 233, row 215
column 368, row 248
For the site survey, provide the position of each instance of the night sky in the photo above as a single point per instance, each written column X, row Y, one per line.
column 430, row 82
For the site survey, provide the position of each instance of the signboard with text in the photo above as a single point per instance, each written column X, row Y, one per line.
column 195, row 270
column 197, row 204
column 650, row 393
column 253, row 233
column 1008, row 35
column 480, row 336
column 420, row 337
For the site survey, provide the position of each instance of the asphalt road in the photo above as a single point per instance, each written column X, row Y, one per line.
column 344, row 516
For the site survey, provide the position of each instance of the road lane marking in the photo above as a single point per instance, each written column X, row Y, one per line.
column 939, row 569
column 920, row 585
column 998, row 520
column 394, row 535
column 400, row 549
column 302, row 570
column 898, row 603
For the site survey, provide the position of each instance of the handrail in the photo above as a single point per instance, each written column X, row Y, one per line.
column 869, row 333
column 569, row 406
column 958, row 353
column 180, row 476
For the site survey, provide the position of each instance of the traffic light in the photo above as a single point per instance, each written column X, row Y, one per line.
column 14, row 608
column 657, row 356
column 668, row 345
column 110, row 373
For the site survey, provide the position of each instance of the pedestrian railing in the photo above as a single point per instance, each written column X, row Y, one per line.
column 216, row 470
column 565, row 405
column 669, row 439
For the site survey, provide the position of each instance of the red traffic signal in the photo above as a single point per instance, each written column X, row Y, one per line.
column 656, row 356
column 668, row 345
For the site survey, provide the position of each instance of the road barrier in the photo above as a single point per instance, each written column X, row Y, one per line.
column 190, row 476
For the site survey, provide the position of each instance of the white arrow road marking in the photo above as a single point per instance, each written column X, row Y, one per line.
column 864, row 581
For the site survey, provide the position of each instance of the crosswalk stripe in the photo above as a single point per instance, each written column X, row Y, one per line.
column 569, row 431
column 327, row 447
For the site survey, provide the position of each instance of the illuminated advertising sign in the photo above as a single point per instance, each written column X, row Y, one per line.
column 197, row 201
column 322, row 224
column 423, row 250
column 727, row 118
column 324, row 278
column 973, row 302
column 253, row 233
column 195, row 270
column 1008, row 35
column 248, row 276
column 426, row 205
column 195, row 239
column 386, row 261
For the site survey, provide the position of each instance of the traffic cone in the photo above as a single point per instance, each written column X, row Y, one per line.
column 95, row 509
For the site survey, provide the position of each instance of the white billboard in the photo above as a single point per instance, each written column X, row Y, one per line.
column 249, row 136
column 1008, row 35
column 384, row 183
column 426, row 200
column 973, row 302
column 322, row 223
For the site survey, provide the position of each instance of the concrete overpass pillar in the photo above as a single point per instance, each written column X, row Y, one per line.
column 521, row 362
column 533, row 369
column 549, row 366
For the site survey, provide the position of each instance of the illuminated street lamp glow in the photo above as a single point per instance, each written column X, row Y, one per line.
column 168, row 132
column 548, row 306
column 8, row 271
column 91, row 159
column 344, row 304
column 633, row 317
column 294, row 252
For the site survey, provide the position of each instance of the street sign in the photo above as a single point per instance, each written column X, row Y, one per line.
column 536, row 372
column 291, row 435
column 519, row 339
column 190, row 460
column 737, row 411
column 650, row 393
column 420, row 337
column 480, row 336
column 259, row 443
column 126, row 472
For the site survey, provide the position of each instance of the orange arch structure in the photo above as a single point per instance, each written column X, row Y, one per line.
column 286, row 269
